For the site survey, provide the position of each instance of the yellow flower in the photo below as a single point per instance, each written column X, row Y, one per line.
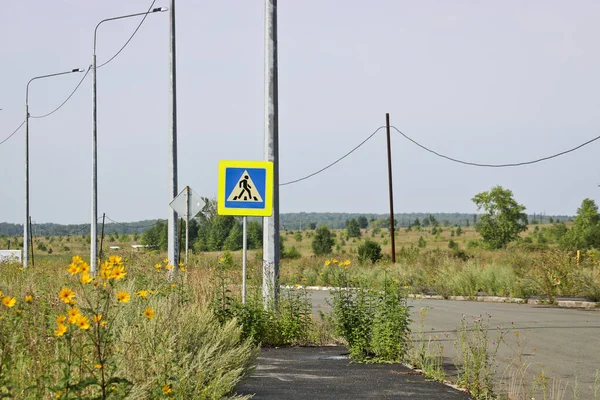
column 60, row 330
column 1, row 293
column 173, row 285
column 149, row 313
column 118, row 273
column 86, row 278
column 74, row 269
column 29, row 298
column 327, row 262
column 158, row 266
column 66, row 295
column 167, row 261
column 98, row 366
column 105, row 270
column 182, row 269
column 123, row 296
column 9, row 301
column 169, row 266
column 85, row 267
column 83, row 323
column 115, row 260
column 181, row 265
column 347, row 262
column 77, row 260
column 61, row 319
column 103, row 323
column 166, row 389
column 221, row 259
column 335, row 261
column 58, row 395
column 73, row 315
column 142, row 293
column 97, row 318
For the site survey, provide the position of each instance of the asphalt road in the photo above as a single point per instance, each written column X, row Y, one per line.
column 311, row 373
column 564, row 342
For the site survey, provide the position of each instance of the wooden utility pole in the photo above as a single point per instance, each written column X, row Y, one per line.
column 389, row 152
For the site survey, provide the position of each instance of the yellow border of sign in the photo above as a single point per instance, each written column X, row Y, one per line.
column 250, row 212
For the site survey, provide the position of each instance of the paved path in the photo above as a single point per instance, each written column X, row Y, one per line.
column 565, row 342
column 314, row 373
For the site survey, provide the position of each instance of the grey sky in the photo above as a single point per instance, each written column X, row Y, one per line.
column 487, row 82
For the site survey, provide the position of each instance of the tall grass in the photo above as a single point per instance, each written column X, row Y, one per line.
column 127, row 333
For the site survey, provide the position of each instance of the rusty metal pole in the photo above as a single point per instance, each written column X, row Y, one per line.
column 389, row 152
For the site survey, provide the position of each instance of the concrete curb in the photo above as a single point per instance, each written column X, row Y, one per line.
column 491, row 299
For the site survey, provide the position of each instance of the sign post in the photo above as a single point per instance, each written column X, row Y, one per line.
column 189, row 204
column 245, row 189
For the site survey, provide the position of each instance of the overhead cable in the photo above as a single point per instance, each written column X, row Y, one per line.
column 336, row 161
column 130, row 38
column 15, row 131
column 67, row 99
column 518, row 164
column 133, row 226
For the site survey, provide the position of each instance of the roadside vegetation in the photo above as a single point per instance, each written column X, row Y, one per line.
column 131, row 332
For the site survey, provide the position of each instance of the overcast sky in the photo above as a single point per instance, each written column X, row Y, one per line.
column 488, row 82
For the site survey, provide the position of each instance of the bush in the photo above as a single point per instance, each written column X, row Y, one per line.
column 291, row 252
column 323, row 241
column 369, row 251
column 375, row 325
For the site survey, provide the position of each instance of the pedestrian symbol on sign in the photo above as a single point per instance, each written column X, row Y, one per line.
column 245, row 190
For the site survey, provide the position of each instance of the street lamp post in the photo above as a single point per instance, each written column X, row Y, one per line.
column 26, row 222
column 94, row 219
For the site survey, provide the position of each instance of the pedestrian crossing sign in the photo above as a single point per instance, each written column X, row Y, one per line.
column 245, row 188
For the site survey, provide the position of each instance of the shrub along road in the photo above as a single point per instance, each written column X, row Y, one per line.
column 564, row 342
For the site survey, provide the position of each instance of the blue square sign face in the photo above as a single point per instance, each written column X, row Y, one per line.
column 245, row 188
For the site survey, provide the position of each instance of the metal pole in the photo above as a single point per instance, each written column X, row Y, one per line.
column 389, row 152
column 93, row 229
column 271, row 224
column 244, row 256
column 31, row 238
column 172, row 220
column 187, row 223
column 26, row 227
column 94, row 217
column 102, row 236
column 26, row 224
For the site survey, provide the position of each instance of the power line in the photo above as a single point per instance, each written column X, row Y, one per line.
column 336, row 161
column 132, row 226
column 67, row 99
column 84, row 76
column 11, row 135
column 130, row 38
column 495, row 165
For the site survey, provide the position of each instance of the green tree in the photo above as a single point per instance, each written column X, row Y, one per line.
column 587, row 215
column 434, row 222
column 422, row 242
column 363, row 222
column 353, row 228
column 459, row 231
column 369, row 251
column 234, row 239
column 503, row 218
column 323, row 241
column 586, row 228
column 426, row 222
column 417, row 222
column 254, row 234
